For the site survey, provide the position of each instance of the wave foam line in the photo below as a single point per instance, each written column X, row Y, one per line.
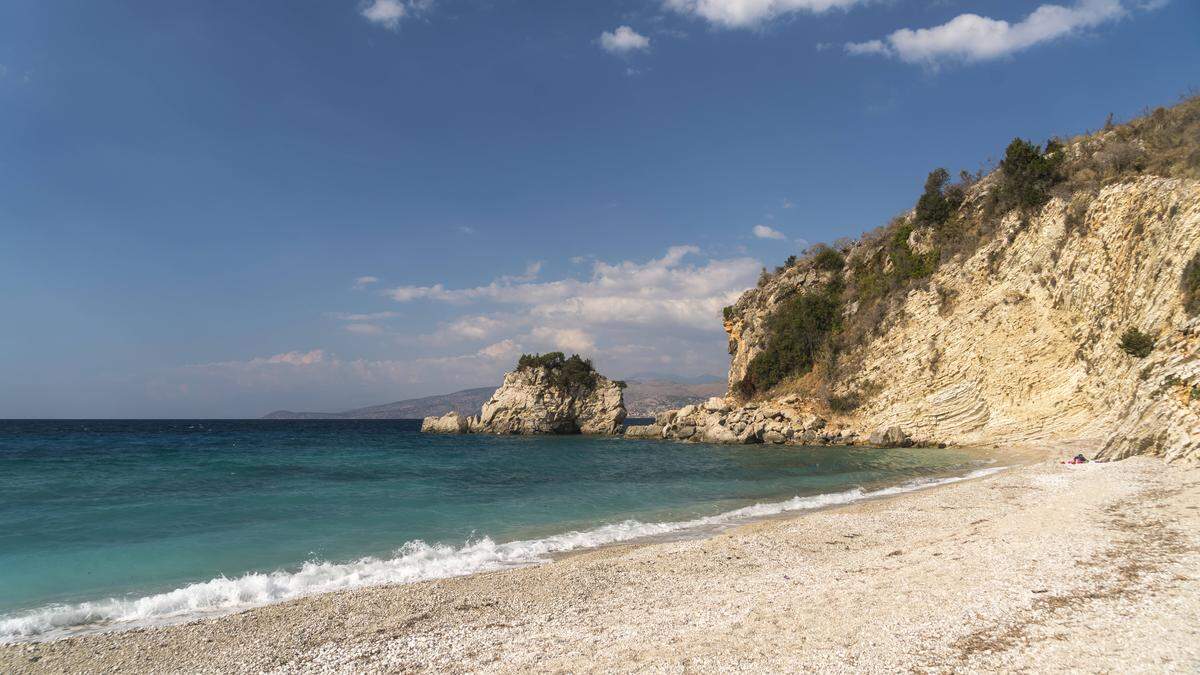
column 414, row 561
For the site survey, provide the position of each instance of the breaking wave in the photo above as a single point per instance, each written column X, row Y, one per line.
column 414, row 561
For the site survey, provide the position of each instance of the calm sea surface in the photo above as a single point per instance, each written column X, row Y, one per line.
column 108, row 523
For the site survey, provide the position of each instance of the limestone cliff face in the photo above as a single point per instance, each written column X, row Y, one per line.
column 531, row 402
column 1019, row 342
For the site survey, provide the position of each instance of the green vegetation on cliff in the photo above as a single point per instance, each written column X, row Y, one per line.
column 1136, row 343
column 800, row 329
column 564, row 372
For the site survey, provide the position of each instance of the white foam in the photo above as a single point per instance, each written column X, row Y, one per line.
column 415, row 561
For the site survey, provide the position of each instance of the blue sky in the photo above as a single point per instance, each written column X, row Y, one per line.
column 220, row 209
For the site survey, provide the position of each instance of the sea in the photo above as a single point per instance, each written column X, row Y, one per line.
column 116, row 524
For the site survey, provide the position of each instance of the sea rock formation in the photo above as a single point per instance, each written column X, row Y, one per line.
column 540, row 400
column 450, row 423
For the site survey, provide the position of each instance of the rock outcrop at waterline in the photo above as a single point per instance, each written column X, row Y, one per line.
column 548, row 395
column 1015, row 338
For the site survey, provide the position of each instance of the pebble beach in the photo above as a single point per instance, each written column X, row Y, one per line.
column 1041, row 567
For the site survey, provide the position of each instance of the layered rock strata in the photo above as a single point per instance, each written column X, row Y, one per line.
column 1017, row 343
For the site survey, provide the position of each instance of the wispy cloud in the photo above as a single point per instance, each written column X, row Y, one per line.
column 532, row 270
column 624, row 40
column 318, row 367
column 362, row 282
column 973, row 38
column 768, row 232
column 366, row 316
column 752, row 13
column 662, row 291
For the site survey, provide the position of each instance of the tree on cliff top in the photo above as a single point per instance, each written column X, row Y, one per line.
column 564, row 372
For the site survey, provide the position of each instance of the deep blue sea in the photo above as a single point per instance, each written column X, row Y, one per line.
column 113, row 523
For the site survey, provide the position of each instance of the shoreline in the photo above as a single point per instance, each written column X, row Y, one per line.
column 486, row 555
column 826, row 589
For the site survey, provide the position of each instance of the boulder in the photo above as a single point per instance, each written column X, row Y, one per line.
column 772, row 436
column 889, row 437
column 716, row 433
column 716, row 404
column 662, row 419
column 644, row 431
column 450, row 423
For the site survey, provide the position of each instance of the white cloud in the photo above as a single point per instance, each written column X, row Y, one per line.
column 767, row 232
column 296, row 358
column 752, row 13
column 565, row 339
column 362, row 282
column 661, row 292
column 389, row 13
column 386, row 13
column 473, row 327
column 971, row 38
column 624, row 40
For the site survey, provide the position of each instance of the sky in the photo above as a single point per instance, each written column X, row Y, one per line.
column 219, row 209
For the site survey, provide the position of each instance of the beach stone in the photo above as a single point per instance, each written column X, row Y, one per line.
column 888, row 437
column 771, row 436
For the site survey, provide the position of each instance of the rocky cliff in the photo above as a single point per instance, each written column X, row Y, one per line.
column 544, row 399
column 1015, row 337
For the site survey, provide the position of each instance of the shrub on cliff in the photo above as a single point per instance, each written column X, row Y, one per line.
column 1191, row 286
column 933, row 208
column 826, row 258
column 797, row 331
column 1027, row 174
column 1136, row 343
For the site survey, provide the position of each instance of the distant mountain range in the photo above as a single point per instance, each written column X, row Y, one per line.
column 643, row 398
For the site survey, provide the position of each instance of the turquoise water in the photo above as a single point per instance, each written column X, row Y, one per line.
column 113, row 522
